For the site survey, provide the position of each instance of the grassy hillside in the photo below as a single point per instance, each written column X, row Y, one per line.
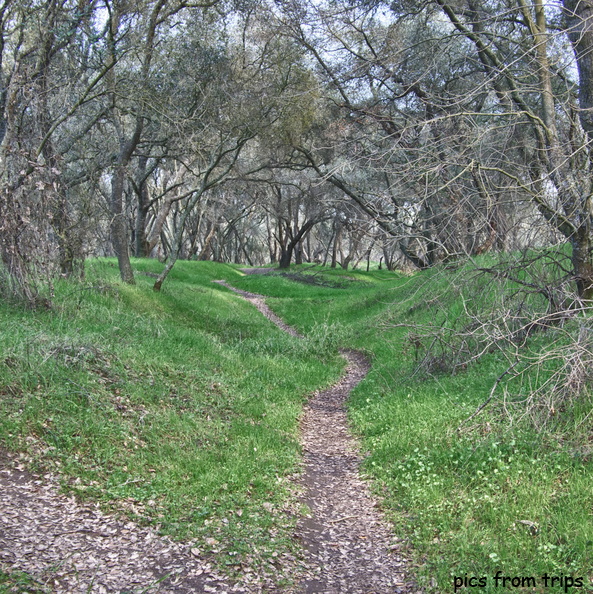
column 473, row 497
column 181, row 410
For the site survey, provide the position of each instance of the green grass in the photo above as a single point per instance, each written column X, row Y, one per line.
column 18, row 582
column 179, row 409
column 488, row 497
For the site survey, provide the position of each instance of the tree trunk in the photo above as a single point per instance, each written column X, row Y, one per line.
column 581, row 262
column 337, row 235
column 271, row 242
column 119, row 232
column 579, row 24
column 69, row 243
column 285, row 256
column 178, row 239
column 207, row 249
column 141, row 249
column 157, row 227
column 288, row 249
column 387, row 258
column 329, row 243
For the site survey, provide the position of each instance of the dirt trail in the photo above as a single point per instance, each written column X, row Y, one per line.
column 260, row 302
column 346, row 535
column 69, row 547
column 349, row 545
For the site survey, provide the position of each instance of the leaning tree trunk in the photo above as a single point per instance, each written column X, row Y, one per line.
column 141, row 187
column 206, row 251
column 177, row 240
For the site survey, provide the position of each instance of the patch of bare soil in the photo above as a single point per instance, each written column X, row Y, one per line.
column 257, row 270
column 350, row 547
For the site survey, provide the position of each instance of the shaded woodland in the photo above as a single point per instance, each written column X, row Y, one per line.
column 409, row 132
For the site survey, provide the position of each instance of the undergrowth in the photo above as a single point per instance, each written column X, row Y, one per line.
column 17, row 582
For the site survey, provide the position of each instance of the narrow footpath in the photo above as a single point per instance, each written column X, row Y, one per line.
column 350, row 547
column 68, row 547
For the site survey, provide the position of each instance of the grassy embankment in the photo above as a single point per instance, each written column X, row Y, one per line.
column 179, row 409
column 474, row 497
column 183, row 408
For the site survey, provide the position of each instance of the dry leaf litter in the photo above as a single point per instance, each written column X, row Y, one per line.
column 70, row 547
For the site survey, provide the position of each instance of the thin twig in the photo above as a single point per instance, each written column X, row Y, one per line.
column 487, row 401
column 342, row 519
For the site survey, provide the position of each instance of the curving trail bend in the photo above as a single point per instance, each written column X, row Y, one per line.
column 349, row 545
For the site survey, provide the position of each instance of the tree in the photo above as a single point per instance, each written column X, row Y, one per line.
column 126, row 25
column 558, row 185
column 579, row 26
column 46, row 86
column 295, row 206
column 480, row 110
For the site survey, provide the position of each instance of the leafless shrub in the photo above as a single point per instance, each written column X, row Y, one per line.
column 552, row 379
column 529, row 316
column 75, row 355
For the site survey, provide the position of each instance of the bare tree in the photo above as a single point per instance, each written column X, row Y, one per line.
column 47, row 85
column 433, row 142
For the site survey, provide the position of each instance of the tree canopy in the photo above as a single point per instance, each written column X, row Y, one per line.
column 257, row 132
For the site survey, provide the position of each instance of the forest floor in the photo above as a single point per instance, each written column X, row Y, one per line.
column 72, row 547
column 182, row 442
